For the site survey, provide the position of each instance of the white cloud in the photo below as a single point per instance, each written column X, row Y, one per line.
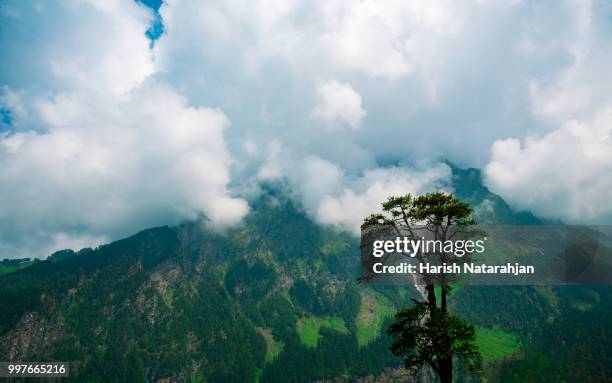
column 566, row 173
column 360, row 36
column 61, row 241
column 107, row 135
column 376, row 38
column 339, row 102
column 447, row 77
column 564, row 169
column 334, row 196
column 348, row 208
column 275, row 164
column 115, row 169
column 250, row 148
column 579, row 91
column 319, row 178
column 96, row 45
column 106, row 150
column 100, row 61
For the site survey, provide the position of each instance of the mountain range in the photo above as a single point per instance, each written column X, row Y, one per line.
column 277, row 299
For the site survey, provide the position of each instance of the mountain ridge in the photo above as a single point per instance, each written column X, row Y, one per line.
column 273, row 300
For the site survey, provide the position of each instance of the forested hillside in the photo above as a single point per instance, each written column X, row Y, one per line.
column 273, row 300
column 276, row 300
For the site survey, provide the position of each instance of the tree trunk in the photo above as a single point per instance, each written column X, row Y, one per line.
column 446, row 365
column 443, row 298
column 446, row 370
column 431, row 298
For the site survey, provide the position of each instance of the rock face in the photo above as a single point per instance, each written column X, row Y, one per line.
column 32, row 336
column 389, row 375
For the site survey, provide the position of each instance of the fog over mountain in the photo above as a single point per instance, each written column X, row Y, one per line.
column 109, row 125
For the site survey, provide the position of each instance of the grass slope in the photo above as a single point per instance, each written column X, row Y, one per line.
column 308, row 328
column 495, row 344
column 273, row 347
column 7, row 269
column 374, row 309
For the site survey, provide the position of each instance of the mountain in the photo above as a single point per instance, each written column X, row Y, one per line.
column 489, row 207
column 277, row 300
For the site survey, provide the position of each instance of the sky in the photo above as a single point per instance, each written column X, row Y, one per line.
column 116, row 115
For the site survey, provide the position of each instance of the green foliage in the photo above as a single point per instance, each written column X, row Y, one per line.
column 422, row 339
column 273, row 347
column 375, row 307
column 304, row 295
column 8, row 266
column 559, row 342
column 250, row 281
column 336, row 247
column 308, row 329
column 427, row 334
column 431, row 209
column 496, row 344
column 156, row 306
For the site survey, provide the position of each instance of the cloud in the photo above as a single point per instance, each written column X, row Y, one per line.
column 440, row 80
column 335, row 197
column 566, row 173
column 373, row 37
column 75, row 44
column 349, row 207
column 275, row 165
column 564, row 170
column 112, row 170
column 104, row 133
column 338, row 102
column 111, row 150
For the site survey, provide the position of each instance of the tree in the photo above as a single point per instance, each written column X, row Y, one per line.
column 427, row 334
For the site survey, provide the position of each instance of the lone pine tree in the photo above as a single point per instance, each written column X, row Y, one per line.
column 427, row 334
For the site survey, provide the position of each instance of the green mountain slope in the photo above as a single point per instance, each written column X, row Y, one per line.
column 275, row 300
